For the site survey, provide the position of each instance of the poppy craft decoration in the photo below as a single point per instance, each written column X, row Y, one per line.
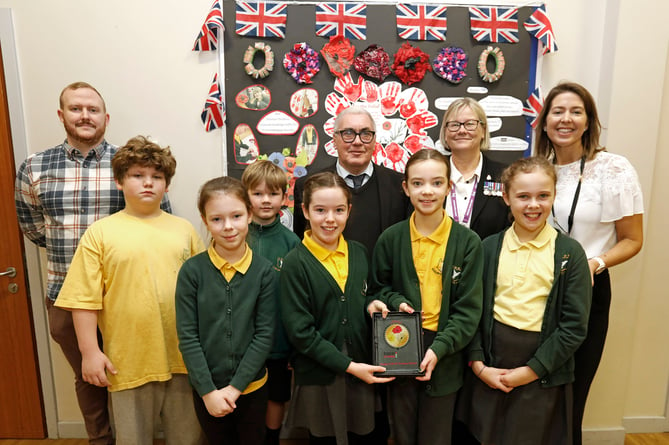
column 302, row 63
column 373, row 62
column 250, row 54
column 411, row 64
column 398, row 343
column 339, row 54
column 451, row 64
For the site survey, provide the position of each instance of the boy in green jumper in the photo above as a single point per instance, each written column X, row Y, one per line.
column 122, row 278
column 265, row 184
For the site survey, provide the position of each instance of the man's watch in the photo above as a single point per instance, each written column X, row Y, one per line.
column 601, row 265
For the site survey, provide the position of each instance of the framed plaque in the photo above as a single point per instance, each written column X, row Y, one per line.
column 398, row 343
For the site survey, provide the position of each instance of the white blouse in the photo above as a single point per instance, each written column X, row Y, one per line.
column 610, row 190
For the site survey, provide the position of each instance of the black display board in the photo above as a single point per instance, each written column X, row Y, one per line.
column 381, row 29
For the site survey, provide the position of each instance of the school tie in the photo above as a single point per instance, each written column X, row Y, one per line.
column 357, row 180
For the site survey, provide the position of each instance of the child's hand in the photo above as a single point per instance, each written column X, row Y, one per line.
column 93, row 367
column 519, row 377
column 231, row 394
column 377, row 306
column 365, row 372
column 429, row 362
column 405, row 308
column 216, row 403
column 491, row 376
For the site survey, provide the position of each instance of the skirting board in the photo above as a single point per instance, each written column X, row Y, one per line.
column 659, row 424
column 608, row 436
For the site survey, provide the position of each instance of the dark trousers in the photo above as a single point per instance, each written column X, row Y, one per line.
column 92, row 399
column 244, row 426
column 589, row 354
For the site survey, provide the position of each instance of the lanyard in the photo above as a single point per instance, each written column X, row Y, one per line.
column 470, row 205
column 570, row 220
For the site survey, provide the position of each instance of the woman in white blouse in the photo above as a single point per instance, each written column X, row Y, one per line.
column 598, row 202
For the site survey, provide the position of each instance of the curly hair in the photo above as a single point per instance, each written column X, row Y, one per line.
column 145, row 153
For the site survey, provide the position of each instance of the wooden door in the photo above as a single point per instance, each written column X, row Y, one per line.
column 21, row 408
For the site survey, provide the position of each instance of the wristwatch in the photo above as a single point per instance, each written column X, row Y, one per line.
column 601, row 266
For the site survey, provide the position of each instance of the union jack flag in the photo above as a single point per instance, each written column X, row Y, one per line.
column 539, row 26
column 496, row 25
column 213, row 113
column 345, row 19
column 533, row 106
column 207, row 40
column 421, row 22
column 261, row 19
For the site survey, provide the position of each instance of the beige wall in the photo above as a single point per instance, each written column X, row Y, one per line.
column 138, row 54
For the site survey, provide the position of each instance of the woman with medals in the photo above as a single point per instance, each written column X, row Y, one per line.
column 475, row 199
column 598, row 203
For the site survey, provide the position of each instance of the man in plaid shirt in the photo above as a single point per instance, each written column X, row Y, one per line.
column 59, row 193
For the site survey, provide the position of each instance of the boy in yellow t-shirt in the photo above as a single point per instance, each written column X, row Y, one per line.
column 122, row 279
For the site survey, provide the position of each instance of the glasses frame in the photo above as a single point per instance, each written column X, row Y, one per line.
column 450, row 124
column 356, row 134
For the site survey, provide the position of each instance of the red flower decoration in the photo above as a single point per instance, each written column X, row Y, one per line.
column 411, row 64
column 338, row 54
column 397, row 329
column 373, row 62
column 394, row 152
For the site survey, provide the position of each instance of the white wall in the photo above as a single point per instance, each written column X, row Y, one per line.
column 137, row 53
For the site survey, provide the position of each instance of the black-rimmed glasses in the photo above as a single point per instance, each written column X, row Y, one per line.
column 348, row 135
column 469, row 125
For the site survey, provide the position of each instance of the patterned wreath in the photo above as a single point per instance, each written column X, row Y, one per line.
column 411, row 64
column 451, row 64
column 498, row 57
column 373, row 62
column 302, row 63
column 250, row 54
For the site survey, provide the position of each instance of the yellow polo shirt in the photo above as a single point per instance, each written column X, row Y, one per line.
column 428, row 259
column 524, row 279
column 229, row 270
column 334, row 261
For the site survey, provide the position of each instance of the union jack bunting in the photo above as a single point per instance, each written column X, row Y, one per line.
column 540, row 27
column 207, row 40
column 495, row 25
column 261, row 19
column 533, row 106
column 421, row 22
column 213, row 113
column 345, row 19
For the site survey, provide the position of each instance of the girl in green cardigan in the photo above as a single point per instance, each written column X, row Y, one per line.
column 429, row 264
column 225, row 308
column 536, row 299
column 323, row 291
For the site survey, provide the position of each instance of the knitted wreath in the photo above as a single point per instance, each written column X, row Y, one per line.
column 250, row 54
column 498, row 57
column 302, row 63
column 451, row 64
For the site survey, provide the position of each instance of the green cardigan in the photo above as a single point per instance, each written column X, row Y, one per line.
column 394, row 281
column 319, row 318
column 273, row 242
column 225, row 328
column 565, row 320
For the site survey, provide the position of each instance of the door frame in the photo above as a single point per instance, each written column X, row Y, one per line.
column 34, row 268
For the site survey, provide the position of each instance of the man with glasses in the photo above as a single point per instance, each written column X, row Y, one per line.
column 378, row 202
column 378, row 199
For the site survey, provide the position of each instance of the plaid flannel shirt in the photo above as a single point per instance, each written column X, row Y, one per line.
column 58, row 194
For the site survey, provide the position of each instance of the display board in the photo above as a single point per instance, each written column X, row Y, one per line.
column 259, row 110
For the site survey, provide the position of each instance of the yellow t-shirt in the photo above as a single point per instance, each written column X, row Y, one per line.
column 524, row 279
column 228, row 270
column 428, row 259
column 126, row 268
column 334, row 261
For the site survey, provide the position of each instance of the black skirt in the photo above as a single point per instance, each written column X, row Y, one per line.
column 529, row 414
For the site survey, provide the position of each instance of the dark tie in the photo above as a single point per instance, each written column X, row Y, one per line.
column 357, row 180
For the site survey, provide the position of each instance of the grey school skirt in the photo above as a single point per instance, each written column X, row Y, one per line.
column 529, row 414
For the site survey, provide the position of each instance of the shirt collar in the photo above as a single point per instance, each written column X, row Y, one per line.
column 341, row 171
column 456, row 176
column 320, row 252
column 439, row 233
column 545, row 236
column 240, row 266
column 98, row 151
